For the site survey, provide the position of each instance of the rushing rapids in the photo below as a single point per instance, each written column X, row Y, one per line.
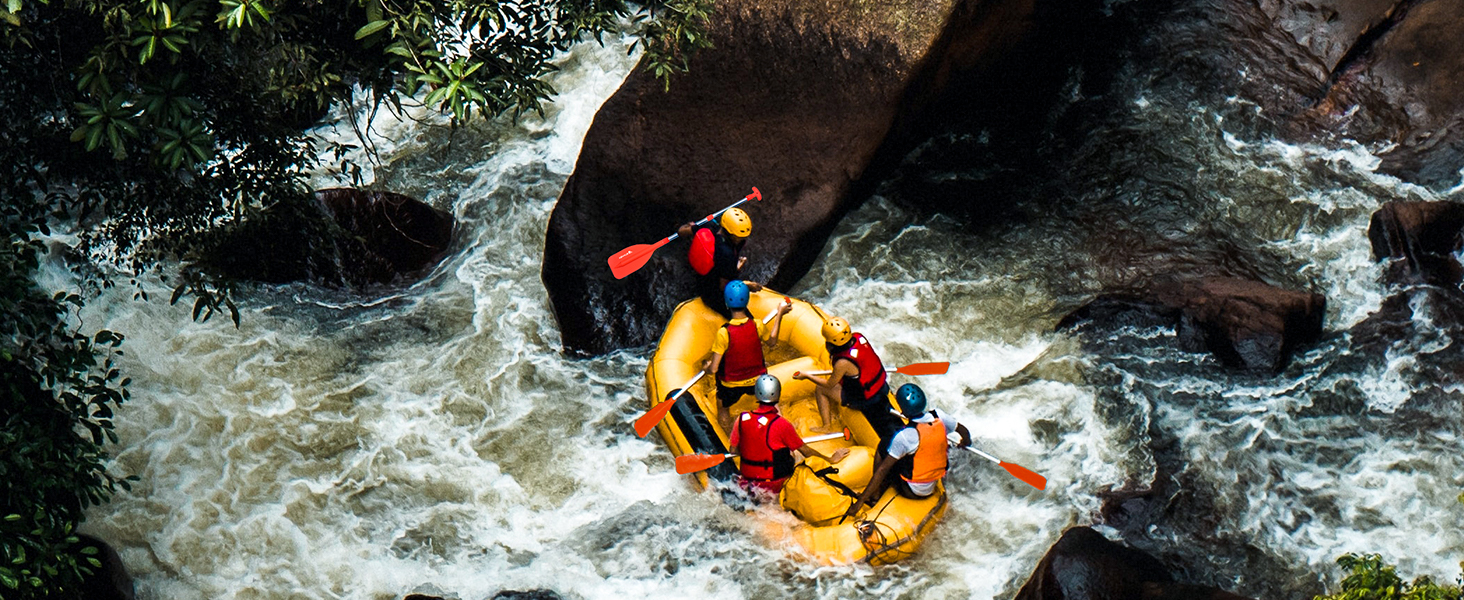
column 437, row 439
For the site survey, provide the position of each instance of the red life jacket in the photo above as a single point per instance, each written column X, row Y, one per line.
column 871, row 377
column 702, row 253
column 759, row 460
column 744, row 357
column 931, row 456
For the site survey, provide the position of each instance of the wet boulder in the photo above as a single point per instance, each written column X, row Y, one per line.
column 109, row 582
column 805, row 100
column 407, row 234
column 1246, row 324
column 1419, row 239
column 1084, row 565
column 342, row 238
column 1384, row 71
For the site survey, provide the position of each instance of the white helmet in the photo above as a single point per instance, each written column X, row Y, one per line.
column 767, row 389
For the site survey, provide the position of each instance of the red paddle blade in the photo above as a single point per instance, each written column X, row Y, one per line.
column 930, row 368
column 627, row 261
column 648, row 421
column 691, row 463
column 1026, row 475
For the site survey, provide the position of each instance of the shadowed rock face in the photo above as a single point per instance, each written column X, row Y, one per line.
column 1389, row 71
column 111, row 581
column 347, row 237
column 1420, row 239
column 1246, row 324
column 798, row 98
column 1084, row 565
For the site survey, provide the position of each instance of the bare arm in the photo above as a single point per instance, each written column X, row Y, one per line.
column 778, row 320
column 965, row 434
column 842, row 369
column 886, row 465
column 838, row 454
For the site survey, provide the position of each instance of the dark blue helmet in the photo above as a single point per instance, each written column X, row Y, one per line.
column 735, row 294
column 911, row 400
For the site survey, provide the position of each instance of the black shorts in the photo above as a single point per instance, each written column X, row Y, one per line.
column 730, row 395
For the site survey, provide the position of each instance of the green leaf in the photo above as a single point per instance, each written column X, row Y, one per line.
column 371, row 28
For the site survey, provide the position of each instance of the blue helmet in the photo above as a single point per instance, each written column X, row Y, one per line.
column 735, row 294
column 911, row 400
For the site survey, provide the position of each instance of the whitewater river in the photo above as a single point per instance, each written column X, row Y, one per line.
column 438, row 440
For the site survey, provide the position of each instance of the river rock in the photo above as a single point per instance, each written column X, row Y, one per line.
column 409, row 235
column 1420, row 239
column 111, row 581
column 1245, row 323
column 1084, row 565
column 1387, row 72
column 344, row 238
column 803, row 99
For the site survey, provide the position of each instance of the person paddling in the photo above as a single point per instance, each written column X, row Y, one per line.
column 716, row 255
column 858, row 381
column 918, row 452
column 766, row 441
column 737, row 351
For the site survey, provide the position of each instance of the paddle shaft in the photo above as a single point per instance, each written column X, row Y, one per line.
column 714, row 215
column 899, row 370
column 648, row 421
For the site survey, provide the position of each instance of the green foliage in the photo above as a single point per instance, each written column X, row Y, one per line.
column 1369, row 578
column 192, row 111
column 58, row 389
column 671, row 40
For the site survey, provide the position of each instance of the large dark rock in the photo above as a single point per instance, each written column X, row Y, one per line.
column 1386, row 71
column 406, row 233
column 1419, row 239
column 344, row 238
column 804, row 99
column 1084, row 565
column 1245, row 323
column 111, row 581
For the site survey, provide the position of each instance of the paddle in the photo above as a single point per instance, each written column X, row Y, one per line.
column 627, row 261
column 930, row 368
column 1018, row 471
column 691, row 463
column 648, row 421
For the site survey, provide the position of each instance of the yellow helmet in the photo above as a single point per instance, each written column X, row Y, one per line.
column 836, row 331
column 736, row 222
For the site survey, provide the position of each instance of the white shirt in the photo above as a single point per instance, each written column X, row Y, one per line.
column 908, row 440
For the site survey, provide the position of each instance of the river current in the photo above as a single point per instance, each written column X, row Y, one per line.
column 438, row 440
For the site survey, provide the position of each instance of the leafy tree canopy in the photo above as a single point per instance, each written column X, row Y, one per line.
column 145, row 126
column 161, row 119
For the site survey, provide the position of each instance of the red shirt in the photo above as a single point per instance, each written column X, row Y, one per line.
column 783, row 434
column 780, row 434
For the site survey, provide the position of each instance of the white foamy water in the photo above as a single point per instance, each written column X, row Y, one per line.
column 333, row 448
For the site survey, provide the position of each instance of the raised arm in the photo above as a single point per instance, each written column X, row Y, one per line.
column 875, row 485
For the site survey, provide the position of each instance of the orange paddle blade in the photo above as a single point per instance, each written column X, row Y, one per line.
column 648, row 421
column 930, row 368
column 691, row 463
column 627, row 261
column 1026, row 475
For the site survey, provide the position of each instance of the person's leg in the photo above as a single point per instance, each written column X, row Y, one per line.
column 726, row 397
column 825, row 412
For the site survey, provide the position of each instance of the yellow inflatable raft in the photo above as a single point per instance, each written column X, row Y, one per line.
column 890, row 530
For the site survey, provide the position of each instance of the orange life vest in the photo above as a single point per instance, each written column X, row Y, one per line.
column 754, row 440
column 871, row 378
column 744, row 357
column 929, row 461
